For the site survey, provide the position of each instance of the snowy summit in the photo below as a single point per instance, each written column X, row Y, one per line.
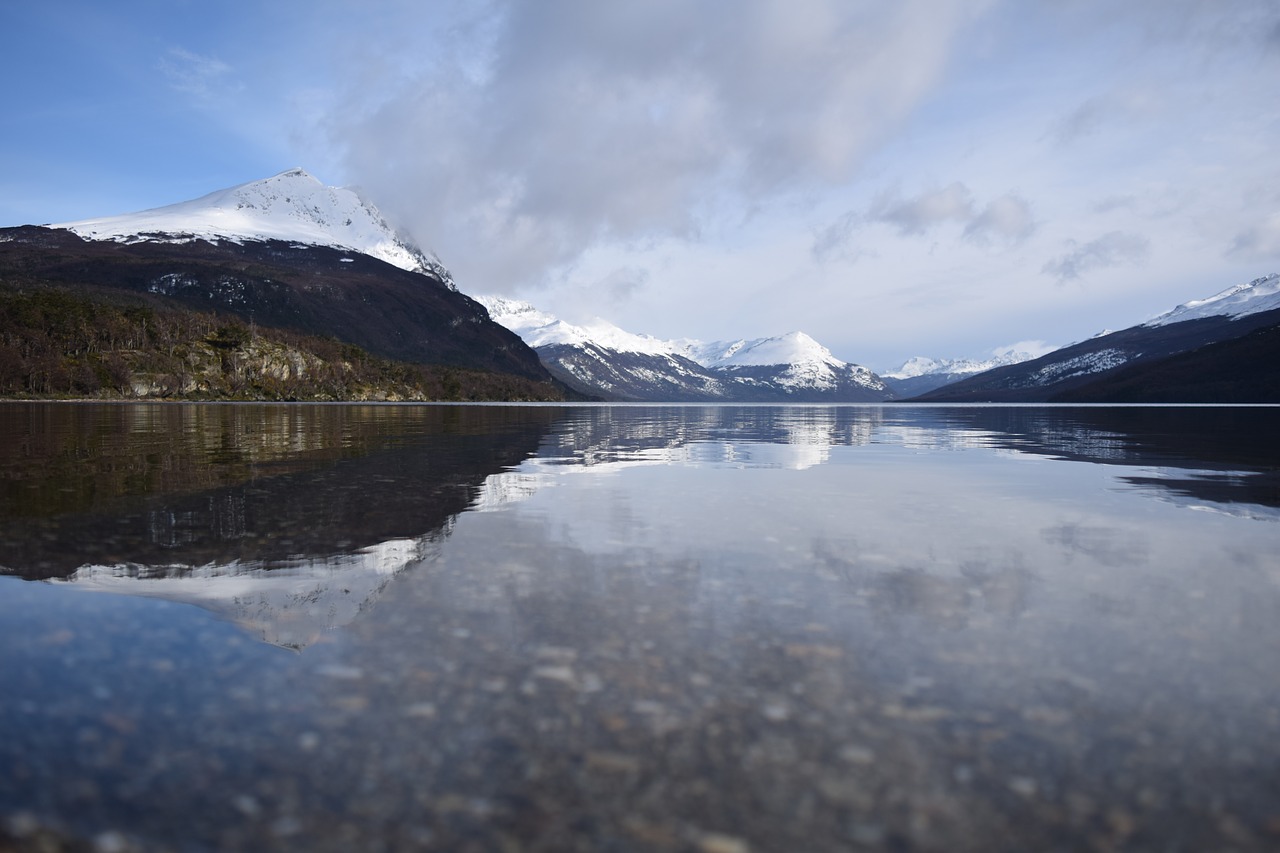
column 292, row 206
column 791, row 348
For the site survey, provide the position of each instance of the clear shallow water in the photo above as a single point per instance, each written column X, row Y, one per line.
column 683, row 628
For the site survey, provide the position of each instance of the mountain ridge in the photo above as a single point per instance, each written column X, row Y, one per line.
column 1161, row 352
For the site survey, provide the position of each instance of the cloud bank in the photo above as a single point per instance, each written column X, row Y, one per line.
column 588, row 122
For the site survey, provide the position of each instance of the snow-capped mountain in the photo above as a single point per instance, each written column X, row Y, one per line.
column 1219, row 349
column 600, row 359
column 793, row 362
column 285, row 252
column 292, row 206
column 920, row 374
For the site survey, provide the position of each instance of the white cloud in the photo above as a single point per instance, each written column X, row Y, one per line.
column 1035, row 349
column 202, row 77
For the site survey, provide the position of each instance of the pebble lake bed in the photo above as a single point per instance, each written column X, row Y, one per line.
column 639, row 627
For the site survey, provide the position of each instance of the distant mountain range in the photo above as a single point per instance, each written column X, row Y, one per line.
column 602, row 360
column 289, row 252
column 1223, row 348
column 921, row 374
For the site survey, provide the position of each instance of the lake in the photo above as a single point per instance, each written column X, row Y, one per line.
column 702, row 628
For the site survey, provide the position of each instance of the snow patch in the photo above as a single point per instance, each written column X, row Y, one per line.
column 791, row 348
column 1261, row 294
column 538, row 329
column 1094, row 362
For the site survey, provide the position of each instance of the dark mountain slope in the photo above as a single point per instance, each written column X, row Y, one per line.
column 318, row 290
column 1240, row 370
column 1062, row 373
column 598, row 372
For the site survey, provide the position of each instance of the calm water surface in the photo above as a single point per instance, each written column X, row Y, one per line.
column 713, row 629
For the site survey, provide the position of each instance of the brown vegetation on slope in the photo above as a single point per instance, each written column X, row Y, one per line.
column 55, row 343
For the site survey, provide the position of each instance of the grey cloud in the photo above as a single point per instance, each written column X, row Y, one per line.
column 1115, row 202
column 1201, row 29
column 1083, row 120
column 916, row 216
column 1205, row 36
column 1111, row 249
column 624, row 282
column 595, row 298
column 590, row 122
column 836, row 240
column 1100, row 112
column 1007, row 218
column 1260, row 241
column 1108, row 546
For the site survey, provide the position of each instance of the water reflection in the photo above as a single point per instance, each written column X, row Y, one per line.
column 288, row 603
column 286, row 519
column 714, row 628
column 312, row 506
column 1222, row 456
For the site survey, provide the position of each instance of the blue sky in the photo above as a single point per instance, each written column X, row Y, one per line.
column 928, row 177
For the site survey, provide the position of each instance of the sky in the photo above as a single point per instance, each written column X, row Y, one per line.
column 936, row 178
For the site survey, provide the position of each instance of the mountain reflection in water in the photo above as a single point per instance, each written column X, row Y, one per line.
column 285, row 519
column 640, row 627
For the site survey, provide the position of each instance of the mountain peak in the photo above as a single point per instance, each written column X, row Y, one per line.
column 292, row 205
column 788, row 348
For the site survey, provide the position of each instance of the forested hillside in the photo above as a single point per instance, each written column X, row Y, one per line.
column 55, row 343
